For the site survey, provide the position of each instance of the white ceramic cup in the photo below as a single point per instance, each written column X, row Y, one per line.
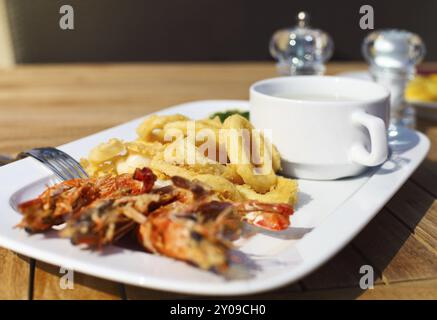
column 324, row 127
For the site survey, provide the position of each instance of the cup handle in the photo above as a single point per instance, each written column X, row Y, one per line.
column 378, row 140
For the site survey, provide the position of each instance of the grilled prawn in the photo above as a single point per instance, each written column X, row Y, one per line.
column 184, row 220
column 197, row 228
column 197, row 232
column 106, row 220
column 63, row 199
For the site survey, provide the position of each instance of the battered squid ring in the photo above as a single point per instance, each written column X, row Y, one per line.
column 152, row 127
column 261, row 181
column 106, row 151
column 285, row 191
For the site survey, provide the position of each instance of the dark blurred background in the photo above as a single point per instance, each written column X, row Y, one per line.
column 197, row 30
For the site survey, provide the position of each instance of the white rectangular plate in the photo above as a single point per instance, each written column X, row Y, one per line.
column 328, row 216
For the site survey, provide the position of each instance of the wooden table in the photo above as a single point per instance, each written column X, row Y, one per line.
column 53, row 104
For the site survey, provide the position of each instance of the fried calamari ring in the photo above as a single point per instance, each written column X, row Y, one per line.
column 238, row 144
column 205, row 134
column 130, row 163
column 117, row 157
column 99, row 170
column 185, row 153
column 183, row 125
column 106, row 151
column 285, row 191
column 139, row 154
column 147, row 149
column 215, row 169
column 152, row 127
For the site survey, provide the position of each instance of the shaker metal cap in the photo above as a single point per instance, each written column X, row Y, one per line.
column 301, row 50
column 393, row 49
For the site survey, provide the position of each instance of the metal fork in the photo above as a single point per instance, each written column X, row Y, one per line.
column 63, row 165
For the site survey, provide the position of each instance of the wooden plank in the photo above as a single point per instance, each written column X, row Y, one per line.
column 429, row 127
column 47, row 285
column 426, row 289
column 78, row 101
column 14, row 276
column 339, row 272
column 423, row 290
column 110, row 94
column 390, row 247
column 426, row 177
column 417, row 209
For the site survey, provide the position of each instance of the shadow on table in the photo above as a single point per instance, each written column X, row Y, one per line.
column 377, row 245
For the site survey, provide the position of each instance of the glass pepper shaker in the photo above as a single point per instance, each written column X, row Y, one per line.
column 393, row 55
column 301, row 50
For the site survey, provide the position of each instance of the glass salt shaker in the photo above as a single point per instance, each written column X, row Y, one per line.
column 393, row 55
column 301, row 50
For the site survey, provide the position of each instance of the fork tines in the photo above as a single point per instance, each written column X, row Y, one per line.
column 63, row 165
